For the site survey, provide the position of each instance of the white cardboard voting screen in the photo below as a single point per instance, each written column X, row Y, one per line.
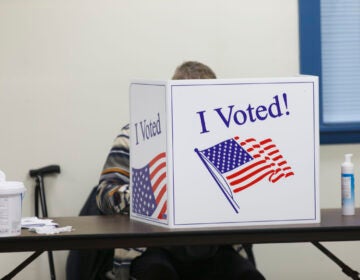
column 224, row 152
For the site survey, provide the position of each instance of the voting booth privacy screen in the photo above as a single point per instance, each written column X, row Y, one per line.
column 207, row 153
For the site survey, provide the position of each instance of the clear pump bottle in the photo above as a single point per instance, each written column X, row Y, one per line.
column 347, row 186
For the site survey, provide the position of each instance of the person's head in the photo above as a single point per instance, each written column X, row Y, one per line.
column 193, row 70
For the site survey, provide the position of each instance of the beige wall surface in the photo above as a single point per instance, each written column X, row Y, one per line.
column 65, row 68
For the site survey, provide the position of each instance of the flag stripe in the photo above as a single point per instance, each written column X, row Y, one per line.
column 160, row 179
column 265, row 141
column 159, row 212
column 161, row 193
column 245, row 169
column 155, row 159
column 273, row 152
column 250, row 175
column 162, row 211
column 249, row 140
column 277, row 178
column 253, row 182
column 159, row 183
column 157, row 169
column 277, row 158
column 269, row 147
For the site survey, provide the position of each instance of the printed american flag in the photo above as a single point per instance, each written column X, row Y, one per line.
column 149, row 188
column 245, row 163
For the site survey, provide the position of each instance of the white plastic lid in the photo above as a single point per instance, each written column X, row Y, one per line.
column 7, row 188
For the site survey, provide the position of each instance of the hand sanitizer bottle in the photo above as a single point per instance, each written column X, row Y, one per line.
column 347, row 186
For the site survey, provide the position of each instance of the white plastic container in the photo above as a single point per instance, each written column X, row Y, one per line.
column 347, row 186
column 11, row 194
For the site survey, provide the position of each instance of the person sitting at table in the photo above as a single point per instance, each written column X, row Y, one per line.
column 173, row 262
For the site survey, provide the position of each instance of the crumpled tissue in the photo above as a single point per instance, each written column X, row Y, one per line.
column 43, row 226
column 50, row 229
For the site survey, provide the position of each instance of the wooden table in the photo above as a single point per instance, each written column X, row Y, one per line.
column 100, row 232
column 95, row 232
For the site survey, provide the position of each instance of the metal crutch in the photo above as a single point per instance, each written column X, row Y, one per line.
column 39, row 174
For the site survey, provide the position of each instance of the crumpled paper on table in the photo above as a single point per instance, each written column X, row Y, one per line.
column 51, row 229
column 43, row 226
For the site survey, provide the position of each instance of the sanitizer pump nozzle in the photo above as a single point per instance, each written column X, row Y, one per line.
column 347, row 186
column 2, row 176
